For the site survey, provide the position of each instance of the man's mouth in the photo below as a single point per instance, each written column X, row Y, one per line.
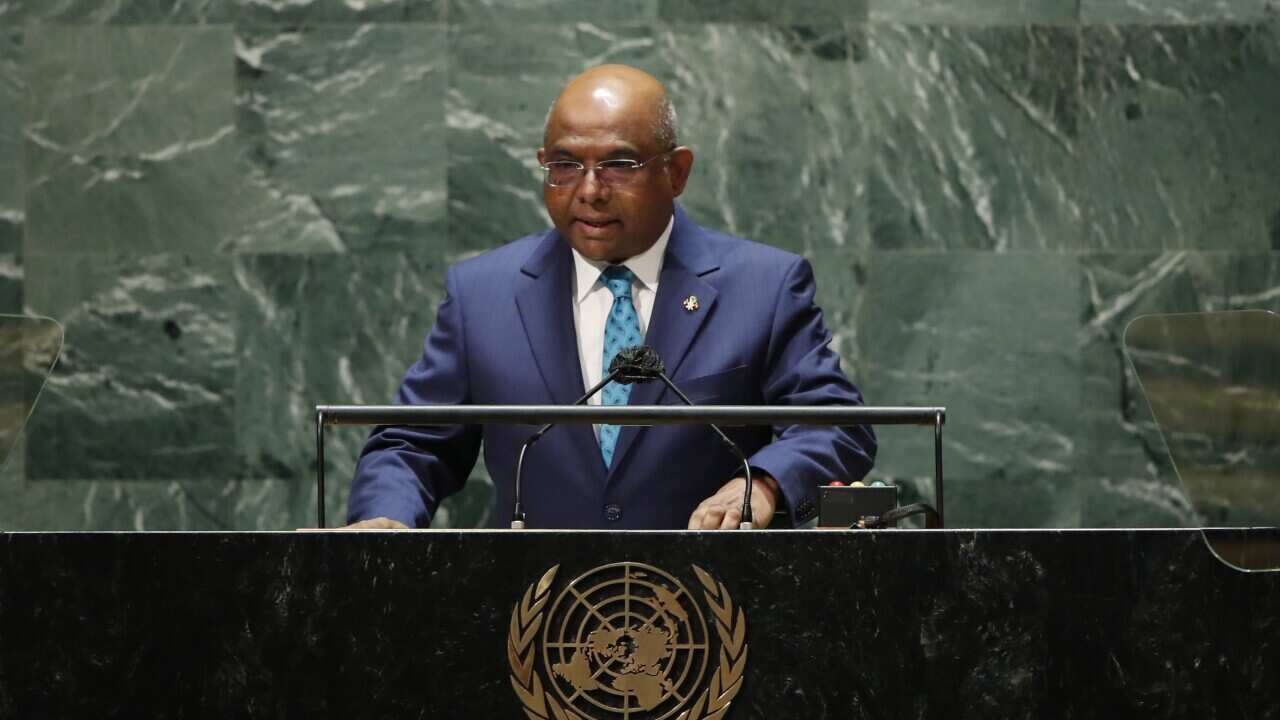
column 595, row 227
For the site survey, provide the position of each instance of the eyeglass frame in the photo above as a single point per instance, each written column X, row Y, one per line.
column 583, row 169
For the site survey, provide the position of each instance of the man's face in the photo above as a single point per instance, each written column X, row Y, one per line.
column 611, row 221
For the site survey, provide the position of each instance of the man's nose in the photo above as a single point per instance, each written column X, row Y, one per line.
column 591, row 189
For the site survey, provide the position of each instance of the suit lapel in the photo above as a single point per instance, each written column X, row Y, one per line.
column 672, row 328
column 546, row 311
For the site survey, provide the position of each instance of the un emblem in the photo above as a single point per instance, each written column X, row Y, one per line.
column 626, row 640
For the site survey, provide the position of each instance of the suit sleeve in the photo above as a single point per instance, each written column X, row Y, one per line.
column 404, row 472
column 802, row 370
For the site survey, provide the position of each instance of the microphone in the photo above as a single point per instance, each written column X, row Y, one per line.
column 633, row 365
column 637, row 364
column 654, row 365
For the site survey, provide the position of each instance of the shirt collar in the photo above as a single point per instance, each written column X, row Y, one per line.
column 647, row 266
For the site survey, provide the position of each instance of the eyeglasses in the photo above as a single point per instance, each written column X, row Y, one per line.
column 567, row 173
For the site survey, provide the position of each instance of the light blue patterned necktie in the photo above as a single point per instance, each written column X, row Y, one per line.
column 621, row 331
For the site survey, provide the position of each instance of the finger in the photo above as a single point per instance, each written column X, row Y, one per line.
column 711, row 518
column 695, row 520
column 761, row 517
column 732, row 518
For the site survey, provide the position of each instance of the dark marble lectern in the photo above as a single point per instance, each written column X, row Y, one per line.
column 785, row 624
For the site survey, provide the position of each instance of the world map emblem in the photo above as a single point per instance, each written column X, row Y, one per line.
column 626, row 640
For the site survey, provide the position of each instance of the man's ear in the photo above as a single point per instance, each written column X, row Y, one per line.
column 542, row 153
column 679, row 166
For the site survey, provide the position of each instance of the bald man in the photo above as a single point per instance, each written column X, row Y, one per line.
column 538, row 320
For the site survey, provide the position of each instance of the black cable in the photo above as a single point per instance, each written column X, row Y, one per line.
column 931, row 519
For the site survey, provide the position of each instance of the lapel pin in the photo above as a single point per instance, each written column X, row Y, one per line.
column 691, row 303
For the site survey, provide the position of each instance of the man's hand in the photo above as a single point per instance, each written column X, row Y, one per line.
column 723, row 511
column 378, row 523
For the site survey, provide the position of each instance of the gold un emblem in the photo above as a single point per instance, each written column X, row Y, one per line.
column 626, row 640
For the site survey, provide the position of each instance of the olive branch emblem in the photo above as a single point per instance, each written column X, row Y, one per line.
column 712, row 703
column 726, row 680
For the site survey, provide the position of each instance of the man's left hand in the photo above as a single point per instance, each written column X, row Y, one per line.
column 723, row 511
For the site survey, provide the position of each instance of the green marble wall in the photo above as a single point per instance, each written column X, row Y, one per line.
column 239, row 209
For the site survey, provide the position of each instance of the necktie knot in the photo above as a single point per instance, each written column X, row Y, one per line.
column 618, row 279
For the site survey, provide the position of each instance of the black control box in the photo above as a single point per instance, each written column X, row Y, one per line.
column 842, row 506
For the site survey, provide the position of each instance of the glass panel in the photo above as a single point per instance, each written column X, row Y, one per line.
column 29, row 347
column 1213, row 383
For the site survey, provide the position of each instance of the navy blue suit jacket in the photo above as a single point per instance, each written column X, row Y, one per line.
column 504, row 334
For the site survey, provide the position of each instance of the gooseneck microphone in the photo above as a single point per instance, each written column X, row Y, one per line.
column 633, row 365
column 642, row 364
column 652, row 367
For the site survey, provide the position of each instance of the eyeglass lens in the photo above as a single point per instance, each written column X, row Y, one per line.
column 567, row 173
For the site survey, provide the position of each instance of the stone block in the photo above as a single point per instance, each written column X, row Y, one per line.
column 1169, row 12
column 144, row 389
column 302, row 12
column 992, row 338
column 1178, row 148
column 116, row 12
column 772, row 116
column 974, row 12
column 342, row 140
column 972, row 138
column 803, row 12
column 128, row 139
column 497, row 13
column 330, row 329
column 12, row 91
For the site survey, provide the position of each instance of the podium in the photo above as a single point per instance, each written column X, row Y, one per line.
column 826, row 624
column 586, row 625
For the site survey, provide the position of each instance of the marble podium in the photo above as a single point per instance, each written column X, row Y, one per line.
column 839, row 624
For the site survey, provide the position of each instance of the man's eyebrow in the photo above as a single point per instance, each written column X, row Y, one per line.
column 625, row 151
column 623, row 154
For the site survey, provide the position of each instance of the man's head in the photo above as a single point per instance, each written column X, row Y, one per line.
column 614, row 112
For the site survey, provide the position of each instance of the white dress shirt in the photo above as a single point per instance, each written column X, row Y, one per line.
column 592, row 302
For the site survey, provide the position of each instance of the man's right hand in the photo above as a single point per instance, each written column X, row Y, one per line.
column 378, row 523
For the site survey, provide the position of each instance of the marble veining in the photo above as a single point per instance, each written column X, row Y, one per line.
column 241, row 209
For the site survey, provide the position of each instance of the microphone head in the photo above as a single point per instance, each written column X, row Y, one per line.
column 638, row 364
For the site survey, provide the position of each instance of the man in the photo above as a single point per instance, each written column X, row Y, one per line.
column 538, row 320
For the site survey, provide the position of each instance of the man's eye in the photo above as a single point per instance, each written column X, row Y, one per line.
column 619, row 164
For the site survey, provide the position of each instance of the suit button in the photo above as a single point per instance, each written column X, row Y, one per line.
column 612, row 513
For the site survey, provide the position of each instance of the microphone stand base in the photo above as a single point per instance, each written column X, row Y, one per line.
column 517, row 524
